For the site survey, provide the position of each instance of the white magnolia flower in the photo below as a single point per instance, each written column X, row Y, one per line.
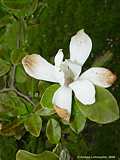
column 67, row 74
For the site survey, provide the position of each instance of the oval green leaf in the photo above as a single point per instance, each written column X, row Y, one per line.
column 33, row 124
column 17, row 55
column 104, row 110
column 46, row 100
column 20, row 76
column 4, row 67
column 53, row 131
column 24, row 155
column 78, row 120
column 10, row 38
column 11, row 103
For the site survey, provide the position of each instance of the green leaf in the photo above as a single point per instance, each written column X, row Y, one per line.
column 21, row 7
column 17, row 4
column 24, row 155
column 104, row 110
column 53, row 131
column 13, row 128
column 78, row 120
column 5, row 116
column 4, row 20
column 33, row 124
column 12, row 104
column 8, row 148
column 20, row 76
column 46, row 100
column 10, row 36
column 15, row 36
column 4, row 67
column 17, row 55
column 42, row 85
column 4, row 53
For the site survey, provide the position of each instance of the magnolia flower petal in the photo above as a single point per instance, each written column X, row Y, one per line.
column 75, row 68
column 62, row 101
column 84, row 91
column 80, row 47
column 99, row 76
column 59, row 58
column 38, row 68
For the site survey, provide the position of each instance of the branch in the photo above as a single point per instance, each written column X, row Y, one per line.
column 24, row 96
column 12, row 80
column 18, row 93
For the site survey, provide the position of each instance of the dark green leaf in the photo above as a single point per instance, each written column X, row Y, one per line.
column 4, row 67
column 15, row 36
column 5, row 116
column 17, row 4
column 11, row 103
column 21, row 7
column 14, row 128
column 25, row 83
column 46, row 100
column 53, row 131
column 24, row 155
column 33, row 124
column 78, row 120
column 17, row 55
column 20, row 76
column 4, row 53
column 42, row 85
column 104, row 110
column 8, row 148
column 4, row 20
column 10, row 36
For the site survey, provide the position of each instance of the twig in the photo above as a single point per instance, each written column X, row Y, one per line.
column 5, row 81
column 5, row 90
column 18, row 93
column 12, row 81
column 24, row 96
column 19, row 40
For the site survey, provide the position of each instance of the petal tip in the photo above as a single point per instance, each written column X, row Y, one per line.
column 62, row 113
column 60, row 50
column 110, row 77
column 26, row 62
column 81, row 31
column 29, row 60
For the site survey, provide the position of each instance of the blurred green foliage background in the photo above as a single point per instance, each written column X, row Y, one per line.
column 50, row 28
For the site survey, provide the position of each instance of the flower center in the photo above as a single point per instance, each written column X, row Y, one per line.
column 68, row 74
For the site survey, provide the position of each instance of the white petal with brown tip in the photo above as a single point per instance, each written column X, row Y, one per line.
column 62, row 101
column 38, row 68
column 99, row 76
